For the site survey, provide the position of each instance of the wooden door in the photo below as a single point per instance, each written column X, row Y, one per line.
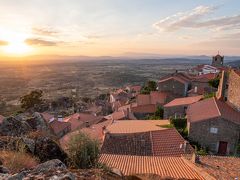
column 222, row 149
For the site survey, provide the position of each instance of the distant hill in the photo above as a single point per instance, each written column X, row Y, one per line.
column 235, row 63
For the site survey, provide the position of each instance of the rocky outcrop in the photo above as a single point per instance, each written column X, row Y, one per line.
column 43, row 148
column 14, row 127
column 37, row 123
column 47, row 149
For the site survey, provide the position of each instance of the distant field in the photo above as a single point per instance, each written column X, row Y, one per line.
column 90, row 78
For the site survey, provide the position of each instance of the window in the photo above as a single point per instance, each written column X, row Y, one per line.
column 213, row 130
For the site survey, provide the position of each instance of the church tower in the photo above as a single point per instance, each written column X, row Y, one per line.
column 217, row 60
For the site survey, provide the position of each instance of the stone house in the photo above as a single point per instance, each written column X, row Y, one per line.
column 178, row 106
column 176, row 84
column 214, row 125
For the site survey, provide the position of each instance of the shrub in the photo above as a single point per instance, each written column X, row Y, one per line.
column 83, row 151
column 179, row 123
column 17, row 160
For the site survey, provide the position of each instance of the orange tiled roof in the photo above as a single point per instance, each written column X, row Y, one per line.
column 158, row 97
column 183, row 101
column 79, row 119
column 212, row 108
column 136, row 88
column 1, row 118
column 48, row 117
column 149, row 108
column 132, row 126
column 205, row 77
column 167, row 143
column 58, row 126
column 164, row 166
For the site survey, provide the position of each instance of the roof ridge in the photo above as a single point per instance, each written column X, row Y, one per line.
column 214, row 99
column 151, row 140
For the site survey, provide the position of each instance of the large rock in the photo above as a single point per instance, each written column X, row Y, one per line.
column 49, row 165
column 14, row 127
column 37, row 123
column 47, row 149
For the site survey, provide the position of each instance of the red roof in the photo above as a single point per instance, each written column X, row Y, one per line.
column 212, row 108
column 173, row 167
column 58, row 126
column 79, row 120
column 183, row 101
column 205, row 77
column 48, row 117
column 149, row 108
column 1, row 118
column 167, row 143
column 143, row 99
column 154, row 97
column 135, row 88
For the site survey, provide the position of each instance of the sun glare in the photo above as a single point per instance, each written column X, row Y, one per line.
column 16, row 44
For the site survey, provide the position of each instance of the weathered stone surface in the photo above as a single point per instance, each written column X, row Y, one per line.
column 37, row 123
column 4, row 170
column 47, row 149
column 49, row 165
column 13, row 127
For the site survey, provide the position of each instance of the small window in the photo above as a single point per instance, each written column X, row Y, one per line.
column 213, row 130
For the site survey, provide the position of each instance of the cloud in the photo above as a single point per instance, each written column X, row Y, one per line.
column 40, row 42
column 45, row 31
column 195, row 19
column 3, row 43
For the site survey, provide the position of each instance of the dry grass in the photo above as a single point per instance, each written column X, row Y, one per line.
column 16, row 161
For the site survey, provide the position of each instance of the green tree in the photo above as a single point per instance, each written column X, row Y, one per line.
column 214, row 82
column 150, row 86
column 83, row 151
column 32, row 99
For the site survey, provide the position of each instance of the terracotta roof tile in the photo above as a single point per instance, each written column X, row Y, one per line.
column 128, row 144
column 58, row 126
column 132, row 126
column 212, row 108
column 183, row 101
column 164, row 166
column 143, row 99
column 158, row 97
column 167, row 143
column 78, row 120
column 47, row 117
column 149, row 108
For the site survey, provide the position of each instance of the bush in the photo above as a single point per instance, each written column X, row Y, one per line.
column 83, row 151
column 179, row 123
column 16, row 161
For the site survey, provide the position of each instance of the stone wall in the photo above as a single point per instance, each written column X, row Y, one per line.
column 234, row 90
column 173, row 87
column 227, row 131
column 179, row 111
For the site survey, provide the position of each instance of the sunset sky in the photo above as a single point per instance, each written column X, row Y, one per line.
column 119, row 27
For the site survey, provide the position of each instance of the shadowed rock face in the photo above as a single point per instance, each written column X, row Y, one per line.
column 13, row 127
column 43, row 148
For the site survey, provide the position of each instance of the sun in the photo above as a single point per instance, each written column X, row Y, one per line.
column 16, row 43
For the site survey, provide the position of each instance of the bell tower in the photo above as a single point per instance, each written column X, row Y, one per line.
column 217, row 60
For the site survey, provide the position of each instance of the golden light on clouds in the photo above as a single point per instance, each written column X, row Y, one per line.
column 15, row 43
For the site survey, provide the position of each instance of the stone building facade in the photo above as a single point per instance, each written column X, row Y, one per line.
column 217, row 60
column 175, row 111
column 233, row 94
column 220, row 136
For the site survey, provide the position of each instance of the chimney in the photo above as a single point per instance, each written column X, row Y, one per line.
column 195, row 158
column 185, row 146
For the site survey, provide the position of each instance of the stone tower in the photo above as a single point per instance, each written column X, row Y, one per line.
column 217, row 60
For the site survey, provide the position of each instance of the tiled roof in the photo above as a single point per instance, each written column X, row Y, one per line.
column 48, row 117
column 132, row 126
column 183, row 101
column 205, row 77
column 1, row 118
column 167, row 143
column 149, row 108
column 136, row 88
column 181, row 77
column 79, row 119
column 212, row 108
column 164, row 166
column 58, row 126
column 128, row 144
column 94, row 131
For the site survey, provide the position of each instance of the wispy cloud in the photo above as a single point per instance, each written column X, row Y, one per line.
column 40, row 42
column 44, row 31
column 3, row 43
column 197, row 18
